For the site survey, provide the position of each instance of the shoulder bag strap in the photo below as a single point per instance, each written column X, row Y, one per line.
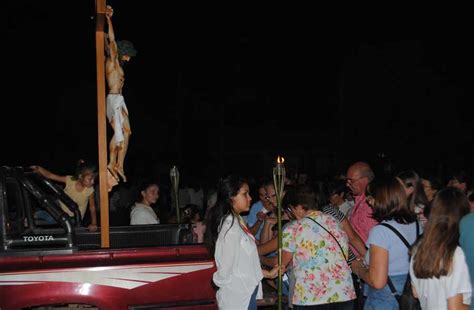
column 397, row 233
column 342, row 251
column 389, row 281
column 408, row 245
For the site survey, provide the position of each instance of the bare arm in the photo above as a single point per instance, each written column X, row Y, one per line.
column 377, row 273
column 271, row 274
column 93, row 224
column 413, row 290
column 269, row 261
column 48, row 174
column 267, row 232
column 112, row 44
column 268, row 247
column 255, row 227
column 455, row 303
column 106, row 42
column 354, row 238
column 286, row 257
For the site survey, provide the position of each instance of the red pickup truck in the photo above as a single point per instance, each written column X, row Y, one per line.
column 59, row 264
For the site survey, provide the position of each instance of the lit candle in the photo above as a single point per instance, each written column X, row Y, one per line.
column 279, row 176
column 280, row 167
column 279, row 183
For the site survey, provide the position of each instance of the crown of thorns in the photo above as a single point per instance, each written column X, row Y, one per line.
column 126, row 48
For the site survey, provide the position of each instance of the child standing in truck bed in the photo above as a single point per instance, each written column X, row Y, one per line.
column 80, row 187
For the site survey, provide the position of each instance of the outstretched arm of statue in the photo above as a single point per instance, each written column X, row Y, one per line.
column 112, row 44
column 106, row 42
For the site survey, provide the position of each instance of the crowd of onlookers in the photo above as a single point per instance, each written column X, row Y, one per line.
column 349, row 241
column 352, row 241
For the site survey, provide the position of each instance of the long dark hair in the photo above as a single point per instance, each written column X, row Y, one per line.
column 435, row 251
column 411, row 179
column 226, row 190
column 143, row 186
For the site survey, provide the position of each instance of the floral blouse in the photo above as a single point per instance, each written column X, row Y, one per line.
column 322, row 273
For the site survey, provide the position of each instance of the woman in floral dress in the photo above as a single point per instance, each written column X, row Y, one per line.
column 317, row 247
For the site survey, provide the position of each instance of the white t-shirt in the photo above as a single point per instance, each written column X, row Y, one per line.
column 143, row 215
column 238, row 266
column 433, row 293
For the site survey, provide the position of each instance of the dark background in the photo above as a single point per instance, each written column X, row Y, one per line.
column 225, row 89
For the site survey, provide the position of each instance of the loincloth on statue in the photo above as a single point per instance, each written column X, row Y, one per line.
column 115, row 105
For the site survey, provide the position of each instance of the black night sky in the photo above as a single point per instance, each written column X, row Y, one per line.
column 225, row 89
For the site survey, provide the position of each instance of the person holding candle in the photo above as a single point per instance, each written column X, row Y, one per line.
column 259, row 210
column 317, row 247
column 239, row 273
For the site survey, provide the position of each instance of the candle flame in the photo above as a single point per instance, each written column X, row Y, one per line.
column 280, row 159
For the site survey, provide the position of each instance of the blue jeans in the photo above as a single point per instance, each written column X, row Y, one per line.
column 383, row 298
column 253, row 300
column 44, row 217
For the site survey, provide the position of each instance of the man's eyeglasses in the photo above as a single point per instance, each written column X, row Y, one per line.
column 354, row 180
column 267, row 197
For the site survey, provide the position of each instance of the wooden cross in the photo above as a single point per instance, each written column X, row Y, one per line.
column 101, row 123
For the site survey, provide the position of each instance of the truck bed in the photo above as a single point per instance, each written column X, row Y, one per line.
column 59, row 264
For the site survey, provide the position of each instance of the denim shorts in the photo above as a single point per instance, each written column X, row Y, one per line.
column 383, row 298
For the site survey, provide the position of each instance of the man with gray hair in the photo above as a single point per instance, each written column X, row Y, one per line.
column 358, row 177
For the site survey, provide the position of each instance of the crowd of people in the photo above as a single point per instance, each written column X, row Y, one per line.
column 351, row 241
column 352, row 246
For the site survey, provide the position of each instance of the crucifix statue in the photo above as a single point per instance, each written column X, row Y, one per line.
column 117, row 54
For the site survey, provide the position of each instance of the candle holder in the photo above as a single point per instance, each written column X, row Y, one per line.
column 279, row 183
column 174, row 176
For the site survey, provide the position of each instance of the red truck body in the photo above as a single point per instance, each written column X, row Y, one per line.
column 39, row 269
column 175, row 278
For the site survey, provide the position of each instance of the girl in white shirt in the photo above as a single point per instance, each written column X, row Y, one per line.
column 239, row 273
column 438, row 269
column 142, row 213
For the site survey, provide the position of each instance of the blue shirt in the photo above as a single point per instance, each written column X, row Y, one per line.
column 398, row 259
column 466, row 241
column 252, row 217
